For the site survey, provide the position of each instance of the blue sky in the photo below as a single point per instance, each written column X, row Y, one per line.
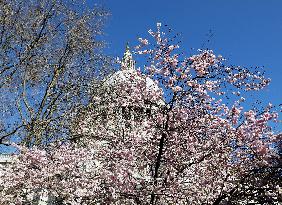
column 246, row 32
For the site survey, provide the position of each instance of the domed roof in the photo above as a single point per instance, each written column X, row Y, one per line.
column 131, row 77
column 128, row 74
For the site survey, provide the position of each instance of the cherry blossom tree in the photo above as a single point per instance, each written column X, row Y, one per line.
column 161, row 134
column 64, row 174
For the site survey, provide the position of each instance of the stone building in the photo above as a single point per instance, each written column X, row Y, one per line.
column 112, row 105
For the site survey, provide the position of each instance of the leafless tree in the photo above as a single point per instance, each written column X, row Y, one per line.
column 50, row 52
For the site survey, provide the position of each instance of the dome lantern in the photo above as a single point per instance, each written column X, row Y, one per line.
column 127, row 62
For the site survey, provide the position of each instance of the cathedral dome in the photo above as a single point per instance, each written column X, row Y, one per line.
column 128, row 74
column 131, row 77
